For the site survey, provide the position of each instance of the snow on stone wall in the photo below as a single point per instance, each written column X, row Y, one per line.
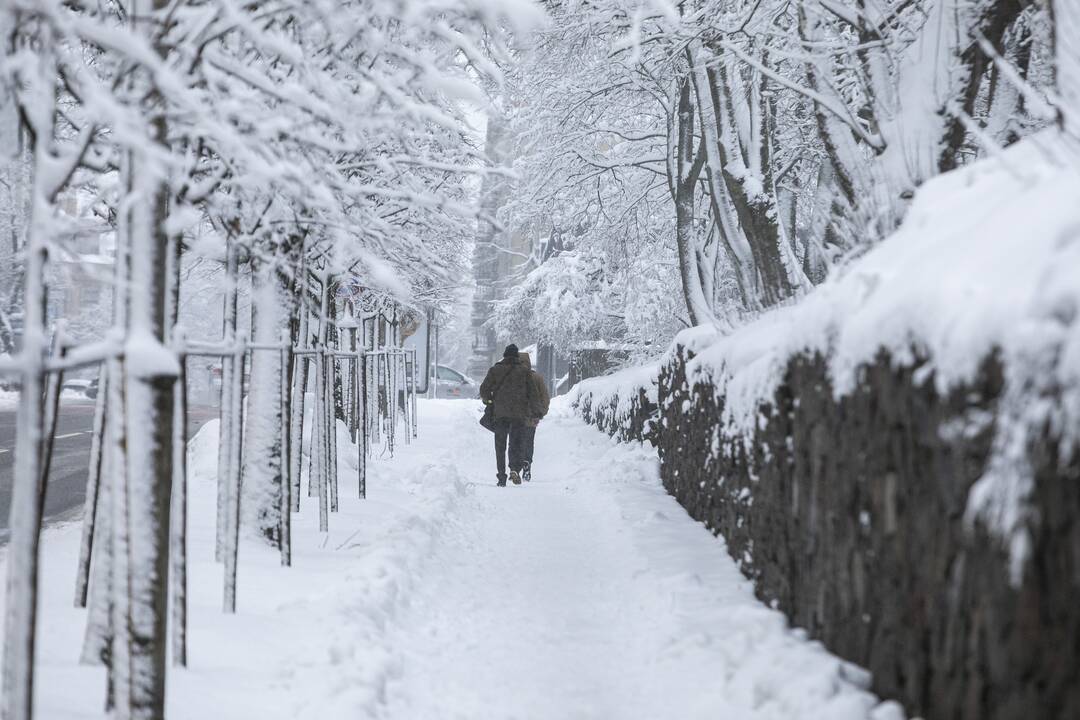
column 895, row 459
column 987, row 262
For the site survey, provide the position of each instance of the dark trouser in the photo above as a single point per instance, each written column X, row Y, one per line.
column 528, row 441
column 513, row 431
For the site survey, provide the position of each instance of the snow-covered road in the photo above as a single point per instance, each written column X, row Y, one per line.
column 587, row 593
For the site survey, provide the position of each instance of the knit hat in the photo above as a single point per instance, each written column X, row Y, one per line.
column 510, row 351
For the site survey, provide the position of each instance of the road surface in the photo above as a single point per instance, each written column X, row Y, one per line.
column 66, row 487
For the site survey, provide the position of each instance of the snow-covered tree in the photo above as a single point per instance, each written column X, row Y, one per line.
column 318, row 142
column 787, row 135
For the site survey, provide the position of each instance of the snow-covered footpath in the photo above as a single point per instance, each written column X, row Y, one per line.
column 587, row 593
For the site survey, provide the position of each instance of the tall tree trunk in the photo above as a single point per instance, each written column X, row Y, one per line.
column 93, row 491
column 683, row 176
column 14, row 209
column 150, row 374
column 231, row 549
column 225, row 427
column 735, row 241
column 744, row 157
column 262, row 439
column 104, row 638
column 179, row 498
column 26, row 507
column 990, row 20
column 299, row 401
column 836, row 193
column 285, row 432
column 99, row 546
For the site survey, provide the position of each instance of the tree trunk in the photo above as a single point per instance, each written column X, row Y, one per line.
column 118, row 653
column 683, row 177
column 93, row 486
column 101, row 632
column 178, row 519
column 14, row 209
column 179, row 498
column 97, row 642
column 991, row 22
column 735, row 241
column 22, row 563
column 150, row 375
column 320, row 460
column 285, row 430
column 233, row 481
column 771, row 262
column 225, row 427
column 262, row 437
column 299, row 391
column 362, row 421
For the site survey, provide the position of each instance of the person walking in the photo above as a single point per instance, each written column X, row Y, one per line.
column 539, row 401
column 511, row 390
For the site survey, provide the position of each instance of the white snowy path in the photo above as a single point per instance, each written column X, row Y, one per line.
column 587, row 593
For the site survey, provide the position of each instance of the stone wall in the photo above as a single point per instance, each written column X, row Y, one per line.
column 849, row 515
column 604, row 413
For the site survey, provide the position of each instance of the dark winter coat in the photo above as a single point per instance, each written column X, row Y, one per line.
column 522, row 393
column 539, row 399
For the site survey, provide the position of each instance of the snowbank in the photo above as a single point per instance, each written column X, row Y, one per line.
column 307, row 641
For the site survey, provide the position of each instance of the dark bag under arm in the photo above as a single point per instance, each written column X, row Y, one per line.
column 487, row 420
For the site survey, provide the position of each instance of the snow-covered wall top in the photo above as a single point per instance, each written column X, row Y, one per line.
column 621, row 386
column 986, row 261
column 988, row 258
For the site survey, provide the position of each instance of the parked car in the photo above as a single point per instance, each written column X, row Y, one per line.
column 449, row 383
column 92, row 389
column 79, row 387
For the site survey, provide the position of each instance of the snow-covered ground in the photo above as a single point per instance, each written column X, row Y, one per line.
column 586, row 594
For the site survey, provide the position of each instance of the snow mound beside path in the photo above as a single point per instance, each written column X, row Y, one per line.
column 307, row 641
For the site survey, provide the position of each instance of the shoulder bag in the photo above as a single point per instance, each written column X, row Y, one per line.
column 487, row 420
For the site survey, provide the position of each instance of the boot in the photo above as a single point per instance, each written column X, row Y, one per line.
column 514, row 477
column 501, row 481
column 526, row 472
